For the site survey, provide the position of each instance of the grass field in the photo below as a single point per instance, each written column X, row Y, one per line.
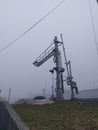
column 60, row 116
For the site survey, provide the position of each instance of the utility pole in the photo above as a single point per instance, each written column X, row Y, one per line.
column 9, row 95
column 43, row 90
column 0, row 93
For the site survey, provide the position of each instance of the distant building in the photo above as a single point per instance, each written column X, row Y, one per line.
column 91, row 93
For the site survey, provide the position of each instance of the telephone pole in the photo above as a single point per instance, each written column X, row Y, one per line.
column 9, row 95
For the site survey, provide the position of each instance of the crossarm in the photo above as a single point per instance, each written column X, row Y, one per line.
column 44, row 57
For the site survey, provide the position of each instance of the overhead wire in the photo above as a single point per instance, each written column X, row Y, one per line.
column 29, row 29
column 93, row 27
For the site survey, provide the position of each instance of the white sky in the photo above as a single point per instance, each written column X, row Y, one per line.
column 72, row 19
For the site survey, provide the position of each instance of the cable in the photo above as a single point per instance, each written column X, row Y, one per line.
column 92, row 19
column 41, row 19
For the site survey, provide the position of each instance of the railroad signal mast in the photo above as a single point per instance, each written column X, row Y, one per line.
column 53, row 51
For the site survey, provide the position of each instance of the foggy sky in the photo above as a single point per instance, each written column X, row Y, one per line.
column 72, row 19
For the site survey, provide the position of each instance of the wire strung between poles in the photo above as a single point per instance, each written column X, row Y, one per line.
column 93, row 26
column 41, row 19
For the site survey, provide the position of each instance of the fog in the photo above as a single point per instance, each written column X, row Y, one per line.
column 72, row 19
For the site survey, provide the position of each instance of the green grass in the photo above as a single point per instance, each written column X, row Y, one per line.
column 59, row 116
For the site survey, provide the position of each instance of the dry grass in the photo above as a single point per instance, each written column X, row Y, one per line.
column 60, row 116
